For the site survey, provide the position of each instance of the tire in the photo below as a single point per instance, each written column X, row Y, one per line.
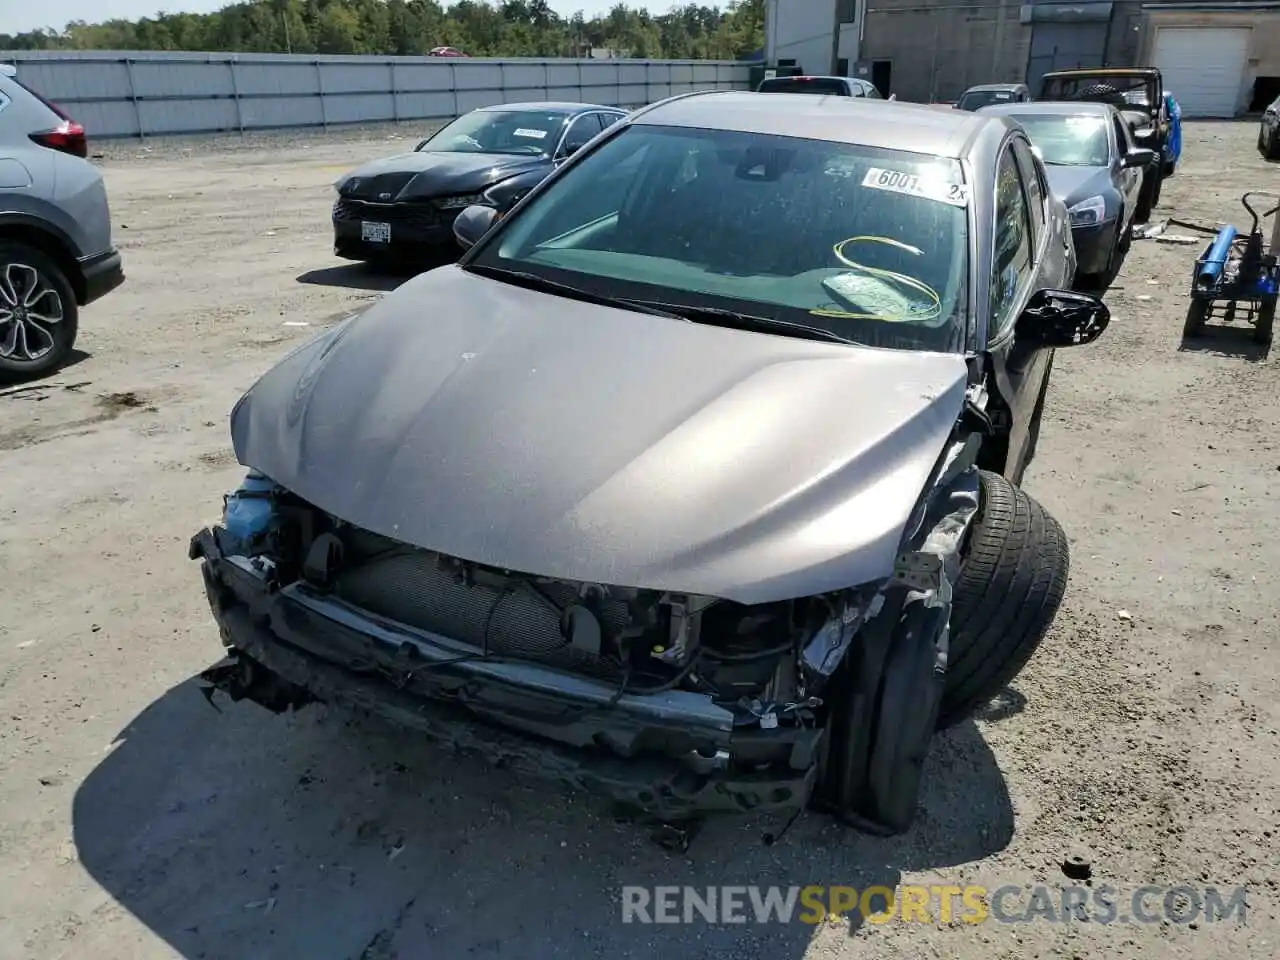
column 1011, row 583
column 1101, row 93
column 1197, row 314
column 38, row 313
column 1264, row 322
column 1158, row 176
column 1272, row 149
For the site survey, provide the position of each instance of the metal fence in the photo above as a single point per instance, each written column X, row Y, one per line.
column 156, row 94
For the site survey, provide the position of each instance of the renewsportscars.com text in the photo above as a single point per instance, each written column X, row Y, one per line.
column 930, row 904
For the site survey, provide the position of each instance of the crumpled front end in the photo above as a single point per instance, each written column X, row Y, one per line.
column 670, row 704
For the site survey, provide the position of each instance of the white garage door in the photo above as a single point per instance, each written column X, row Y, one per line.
column 1203, row 67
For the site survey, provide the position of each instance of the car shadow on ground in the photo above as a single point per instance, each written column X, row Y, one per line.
column 357, row 276
column 376, row 277
column 324, row 835
column 48, row 381
column 1226, row 341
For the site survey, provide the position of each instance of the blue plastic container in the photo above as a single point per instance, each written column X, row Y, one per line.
column 250, row 512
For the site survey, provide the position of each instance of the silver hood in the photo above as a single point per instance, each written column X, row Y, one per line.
column 534, row 433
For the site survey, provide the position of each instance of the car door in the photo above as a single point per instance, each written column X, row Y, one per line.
column 13, row 174
column 1023, row 258
column 1128, row 179
column 28, row 173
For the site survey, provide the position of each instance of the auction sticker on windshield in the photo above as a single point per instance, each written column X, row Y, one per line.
column 912, row 184
column 535, row 134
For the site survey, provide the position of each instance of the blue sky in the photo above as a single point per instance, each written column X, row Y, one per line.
column 17, row 16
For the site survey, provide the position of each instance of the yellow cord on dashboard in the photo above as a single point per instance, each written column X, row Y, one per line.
column 935, row 301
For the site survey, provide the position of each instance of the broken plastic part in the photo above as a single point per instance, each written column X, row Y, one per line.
column 582, row 630
column 323, row 560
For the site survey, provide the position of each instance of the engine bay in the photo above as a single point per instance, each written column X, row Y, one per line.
column 766, row 664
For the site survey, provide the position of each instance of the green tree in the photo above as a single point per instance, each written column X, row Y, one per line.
column 410, row 27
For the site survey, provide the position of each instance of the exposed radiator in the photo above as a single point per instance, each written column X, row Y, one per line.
column 517, row 618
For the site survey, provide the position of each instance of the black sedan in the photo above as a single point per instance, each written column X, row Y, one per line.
column 1093, row 166
column 403, row 207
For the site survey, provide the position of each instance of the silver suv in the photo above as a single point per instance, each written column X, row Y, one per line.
column 56, row 253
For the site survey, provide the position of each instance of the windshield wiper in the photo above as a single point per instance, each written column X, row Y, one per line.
column 719, row 317
column 531, row 281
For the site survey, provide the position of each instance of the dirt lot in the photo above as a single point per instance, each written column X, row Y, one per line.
column 137, row 822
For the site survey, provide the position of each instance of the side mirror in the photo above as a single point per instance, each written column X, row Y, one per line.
column 1138, row 157
column 1062, row 318
column 472, row 224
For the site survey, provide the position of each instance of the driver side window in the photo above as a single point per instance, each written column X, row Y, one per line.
column 580, row 132
column 1012, row 254
column 1123, row 142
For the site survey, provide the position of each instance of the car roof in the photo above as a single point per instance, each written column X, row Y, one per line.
column 1102, row 72
column 1067, row 108
column 995, row 86
column 805, row 76
column 889, row 124
column 549, row 106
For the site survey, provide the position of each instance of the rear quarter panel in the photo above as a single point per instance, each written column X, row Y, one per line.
column 82, row 194
column 65, row 191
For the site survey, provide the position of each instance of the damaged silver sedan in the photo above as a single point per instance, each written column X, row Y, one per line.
column 694, row 482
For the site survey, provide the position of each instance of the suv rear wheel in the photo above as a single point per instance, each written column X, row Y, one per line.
column 38, row 312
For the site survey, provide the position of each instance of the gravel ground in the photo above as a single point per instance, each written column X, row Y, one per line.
column 138, row 822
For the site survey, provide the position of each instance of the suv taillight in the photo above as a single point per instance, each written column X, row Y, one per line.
column 68, row 137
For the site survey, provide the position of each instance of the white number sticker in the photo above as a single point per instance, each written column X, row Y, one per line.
column 535, row 134
column 899, row 181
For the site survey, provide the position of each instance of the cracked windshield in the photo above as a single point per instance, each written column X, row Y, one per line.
column 862, row 244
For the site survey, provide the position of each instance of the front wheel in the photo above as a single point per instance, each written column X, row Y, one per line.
column 1012, row 581
column 38, row 313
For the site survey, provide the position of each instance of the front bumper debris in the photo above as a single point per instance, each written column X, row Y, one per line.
column 664, row 755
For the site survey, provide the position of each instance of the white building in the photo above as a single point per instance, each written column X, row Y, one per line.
column 805, row 31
